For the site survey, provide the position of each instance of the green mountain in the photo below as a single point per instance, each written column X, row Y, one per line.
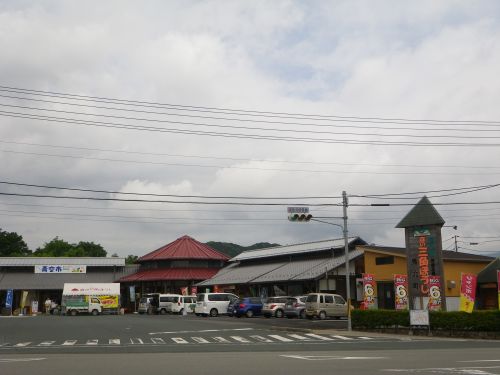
column 232, row 249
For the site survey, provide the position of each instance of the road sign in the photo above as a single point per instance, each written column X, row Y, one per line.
column 298, row 210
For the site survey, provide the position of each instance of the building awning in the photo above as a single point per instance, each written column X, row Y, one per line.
column 294, row 270
column 37, row 281
column 169, row 274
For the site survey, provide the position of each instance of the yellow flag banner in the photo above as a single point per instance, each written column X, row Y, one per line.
column 467, row 292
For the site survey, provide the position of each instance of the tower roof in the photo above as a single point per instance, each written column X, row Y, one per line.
column 423, row 213
column 184, row 248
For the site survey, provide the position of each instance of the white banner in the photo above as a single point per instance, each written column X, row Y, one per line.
column 89, row 289
column 58, row 268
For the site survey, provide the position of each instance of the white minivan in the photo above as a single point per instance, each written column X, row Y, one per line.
column 182, row 303
column 213, row 304
column 163, row 302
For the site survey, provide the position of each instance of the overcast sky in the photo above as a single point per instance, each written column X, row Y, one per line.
column 424, row 60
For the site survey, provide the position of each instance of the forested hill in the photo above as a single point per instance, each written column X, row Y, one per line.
column 232, row 249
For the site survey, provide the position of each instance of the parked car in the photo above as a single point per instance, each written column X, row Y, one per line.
column 182, row 303
column 145, row 306
column 248, row 306
column 213, row 304
column 162, row 303
column 321, row 305
column 295, row 307
column 274, row 306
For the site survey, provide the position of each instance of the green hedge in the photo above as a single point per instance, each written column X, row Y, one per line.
column 479, row 321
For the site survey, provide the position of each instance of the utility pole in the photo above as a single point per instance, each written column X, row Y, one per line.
column 456, row 245
column 346, row 244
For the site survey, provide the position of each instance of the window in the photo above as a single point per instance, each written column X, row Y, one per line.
column 312, row 298
column 339, row 300
column 321, row 299
column 328, row 299
column 379, row 261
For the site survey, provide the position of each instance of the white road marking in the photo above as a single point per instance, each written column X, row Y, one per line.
column 157, row 340
column 92, row 342
column 114, row 341
column 69, row 342
column 342, row 337
column 46, row 343
column 136, row 341
column 328, row 357
column 447, row 370
column 299, row 337
column 22, row 344
column 179, row 340
column 365, row 338
column 201, row 331
column 4, row 344
column 483, row 360
column 200, row 340
column 240, row 339
column 280, row 338
column 319, row 337
column 261, row 338
column 221, row 339
column 7, row 360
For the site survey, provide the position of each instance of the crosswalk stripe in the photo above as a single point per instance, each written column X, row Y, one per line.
column 46, row 343
column 365, row 338
column 21, row 344
column 280, row 338
column 221, row 339
column 318, row 337
column 299, row 337
column 136, row 341
column 240, row 339
column 114, row 341
column 179, row 340
column 200, row 340
column 261, row 338
column 92, row 342
column 69, row 342
column 157, row 340
column 342, row 337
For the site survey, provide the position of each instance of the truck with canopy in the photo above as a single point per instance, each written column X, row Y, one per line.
column 90, row 298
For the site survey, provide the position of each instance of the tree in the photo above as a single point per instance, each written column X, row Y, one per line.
column 13, row 245
column 90, row 249
column 55, row 248
column 131, row 259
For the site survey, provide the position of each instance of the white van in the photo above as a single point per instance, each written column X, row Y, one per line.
column 321, row 305
column 163, row 302
column 182, row 303
column 213, row 304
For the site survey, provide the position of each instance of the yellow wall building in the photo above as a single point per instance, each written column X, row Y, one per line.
column 385, row 262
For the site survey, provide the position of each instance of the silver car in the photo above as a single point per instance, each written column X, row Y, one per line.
column 295, row 307
column 274, row 306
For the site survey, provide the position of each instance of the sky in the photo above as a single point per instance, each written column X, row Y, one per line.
column 260, row 104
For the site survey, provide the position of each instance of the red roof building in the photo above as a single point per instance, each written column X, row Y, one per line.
column 176, row 267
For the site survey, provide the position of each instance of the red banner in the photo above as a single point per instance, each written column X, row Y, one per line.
column 434, row 293
column 467, row 292
column 498, row 283
column 194, row 290
column 368, row 290
column 401, row 288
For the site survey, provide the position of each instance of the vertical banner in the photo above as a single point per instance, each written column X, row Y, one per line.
column 423, row 264
column 498, row 283
column 467, row 292
column 401, row 291
column 194, row 290
column 131, row 291
column 216, row 289
column 9, row 299
column 434, row 293
column 184, row 291
column 369, row 290
column 24, row 296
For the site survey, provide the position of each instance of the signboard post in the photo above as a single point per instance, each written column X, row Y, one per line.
column 418, row 319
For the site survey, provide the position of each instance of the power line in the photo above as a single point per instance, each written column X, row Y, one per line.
column 246, row 168
column 249, row 159
column 228, row 110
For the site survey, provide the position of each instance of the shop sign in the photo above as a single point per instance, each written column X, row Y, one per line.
column 434, row 293
column 194, row 290
column 423, row 265
column 53, row 268
column 467, row 292
column 34, row 307
column 498, row 283
column 184, row 291
column 9, row 299
column 419, row 317
column 401, row 289
column 369, row 290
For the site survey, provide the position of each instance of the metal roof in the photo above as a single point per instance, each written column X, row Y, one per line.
column 280, row 271
column 77, row 261
column 171, row 274
column 302, row 248
column 446, row 254
column 184, row 247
